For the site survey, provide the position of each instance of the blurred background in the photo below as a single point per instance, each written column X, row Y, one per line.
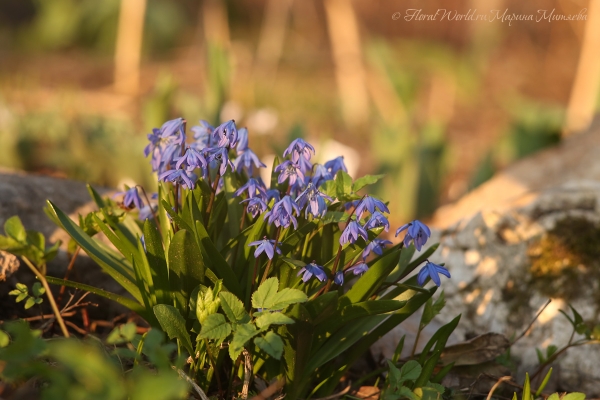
column 438, row 106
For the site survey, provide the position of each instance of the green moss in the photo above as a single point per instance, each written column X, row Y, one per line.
column 566, row 259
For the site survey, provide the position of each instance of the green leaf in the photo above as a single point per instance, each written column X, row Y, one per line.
column 117, row 269
column 173, row 324
column 263, row 296
column 394, row 374
column 14, row 228
column 234, row 209
column 125, row 301
column 4, row 339
column 432, row 309
column 574, row 396
column 271, row 344
column 96, row 197
column 21, row 297
column 241, row 336
column 406, row 392
column 526, row 388
column 29, row 303
column 156, row 260
column 217, row 264
column 553, row 396
column 544, row 382
column 287, row 297
column 275, row 318
column 186, row 268
column 343, row 183
column 122, row 334
column 234, row 308
column 364, row 181
column 293, row 263
column 411, row 370
column 215, row 327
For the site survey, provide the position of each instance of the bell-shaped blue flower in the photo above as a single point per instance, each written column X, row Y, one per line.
column 358, row 268
column 255, row 206
column 370, row 204
column 335, row 165
column 242, row 144
column 311, row 269
column 299, row 148
column 203, row 135
column 338, row 278
column 253, row 187
column 289, row 171
column 265, row 246
column 186, row 178
column 320, row 175
column 416, row 231
column 245, row 160
column 315, row 200
column 220, row 156
column 377, row 220
column 282, row 213
column 376, row 246
column 132, row 198
column 433, row 271
column 352, row 232
column 192, row 159
column 226, row 134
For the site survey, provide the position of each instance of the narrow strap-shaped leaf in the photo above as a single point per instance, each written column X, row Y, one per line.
column 234, row 209
column 146, row 275
column 139, row 280
column 368, row 284
column 96, row 196
column 173, row 323
column 440, row 337
column 129, row 303
column 186, row 268
column 126, row 248
column 117, row 270
column 165, row 226
column 157, row 262
column 181, row 223
column 217, row 264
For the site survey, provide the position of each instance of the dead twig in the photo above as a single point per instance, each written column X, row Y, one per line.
column 532, row 322
column 493, row 389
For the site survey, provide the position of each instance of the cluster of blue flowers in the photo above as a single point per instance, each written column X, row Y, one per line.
column 176, row 161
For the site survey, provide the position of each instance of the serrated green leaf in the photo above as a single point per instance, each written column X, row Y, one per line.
column 263, row 297
column 553, row 396
column 275, row 318
column 271, row 343
column 287, row 297
column 234, row 308
column 343, row 183
column 574, row 396
column 394, row 374
column 215, row 327
column 241, row 336
column 411, row 370
column 173, row 324
column 14, row 228
column 364, row 181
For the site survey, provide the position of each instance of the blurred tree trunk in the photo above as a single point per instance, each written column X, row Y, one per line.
column 272, row 35
column 347, row 54
column 584, row 94
column 129, row 46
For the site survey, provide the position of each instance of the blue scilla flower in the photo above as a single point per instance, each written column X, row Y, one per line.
column 416, row 231
column 265, row 246
column 165, row 144
column 352, row 232
column 433, row 271
column 311, row 269
column 245, row 160
column 219, row 156
column 146, row 212
column 203, row 135
column 299, row 148
column 370, row 204
column 186, row 178
column 192, row 159
column 338, row 278
column 377, row 219
column 376, row 246
column 132, row 198
column 282, row 213
column 320, row 175
column 242, row 144
column 273, row 194
column 335, row 165
column 289, row 171
column 226, row 134
column 255, row 206
column 358, row 268
column 315, row 200
column 253, row 187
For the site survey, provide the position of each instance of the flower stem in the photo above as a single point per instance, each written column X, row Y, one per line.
column 250, row 285
column 268, row 269
column 151, row 209
column 212, row 198
column 42, row 279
